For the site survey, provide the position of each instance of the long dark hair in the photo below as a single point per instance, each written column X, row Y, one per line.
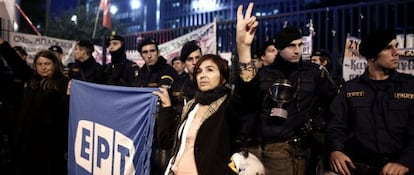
column 221, row 64
column 47, row 83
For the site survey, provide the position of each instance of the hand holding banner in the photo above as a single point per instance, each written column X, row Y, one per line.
column 110, row 129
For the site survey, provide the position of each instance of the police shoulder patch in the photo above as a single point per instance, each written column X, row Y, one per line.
column 75, row 69
column 355, row 94
column 402, row 95
column 167, row 77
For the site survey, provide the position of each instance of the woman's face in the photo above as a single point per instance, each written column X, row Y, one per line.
column 44, row 66
column 208, row 76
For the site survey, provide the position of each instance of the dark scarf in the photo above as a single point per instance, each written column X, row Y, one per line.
column 87, row 63
column 118, row 56
column 284, row 66
column 207, row 97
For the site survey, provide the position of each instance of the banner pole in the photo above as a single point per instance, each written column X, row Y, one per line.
column 96, row 23
column 27, row 20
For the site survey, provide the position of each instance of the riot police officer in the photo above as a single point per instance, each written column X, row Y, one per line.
column 283, row 95
column 120, row 71
column 372, row 129
column 184, row 89
column 85, row 67
column 155, row 73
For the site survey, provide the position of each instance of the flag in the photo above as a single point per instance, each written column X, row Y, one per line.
column 106, row 21
column 104, row 5
column 110, row 129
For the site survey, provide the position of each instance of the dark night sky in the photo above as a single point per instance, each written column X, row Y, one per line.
column 36, row 10
column 59, row 5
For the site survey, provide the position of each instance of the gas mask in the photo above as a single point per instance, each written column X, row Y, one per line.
column 282, row 91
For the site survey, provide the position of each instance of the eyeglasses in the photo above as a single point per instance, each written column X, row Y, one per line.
column 145, row 52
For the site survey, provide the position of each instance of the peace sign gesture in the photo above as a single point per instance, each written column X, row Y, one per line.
column 246, row 28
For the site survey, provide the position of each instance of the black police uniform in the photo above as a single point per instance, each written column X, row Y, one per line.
column 89, row 71
column 160, row 74
column 310, row 87
column 121, row 71
column 312, row 91
column 183, row 90
column 373, row 121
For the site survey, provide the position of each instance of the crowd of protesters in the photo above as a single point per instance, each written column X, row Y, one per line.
column 288, row 113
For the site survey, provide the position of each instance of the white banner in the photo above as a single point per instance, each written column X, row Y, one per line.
column 33, row 44
column 355, row 64
column 206, row 37
column 307, row 47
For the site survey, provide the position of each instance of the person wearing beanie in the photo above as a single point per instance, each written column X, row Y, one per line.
column 184, row 88
column 288, row 84
column 190, row 53
column 269, row 52
column 372, row 131
column 85, row 67
column 120, row 71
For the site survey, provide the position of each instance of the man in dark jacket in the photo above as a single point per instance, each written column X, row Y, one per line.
column 184, row 89
column 85, row 67
column 120, row 71
column 155, row 73
column 372, row 129
column 281, row 98
column 179, row 87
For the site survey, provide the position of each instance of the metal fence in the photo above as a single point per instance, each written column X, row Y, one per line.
column 331, row 25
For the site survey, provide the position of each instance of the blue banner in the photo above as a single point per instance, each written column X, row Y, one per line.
column 110, row 129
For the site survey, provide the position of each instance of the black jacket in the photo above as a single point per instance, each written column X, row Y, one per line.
column 374, row 123
column 183, row 90
column 120, row 71
column 89, row 71
column 157, row 75
column 42, row 123
column 312, row 91
column 213, row 146
column 42, row 130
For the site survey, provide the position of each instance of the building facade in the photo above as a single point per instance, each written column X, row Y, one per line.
column 136, row 16
column 184, row 13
